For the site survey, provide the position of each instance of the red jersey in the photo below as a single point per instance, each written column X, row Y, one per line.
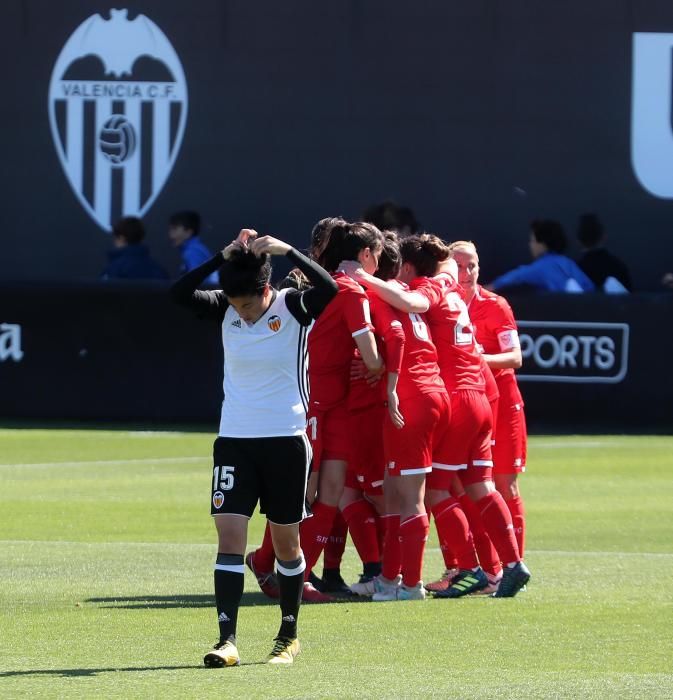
column 390, row 342
column 451, row 330
column 416, row 360
column 331, row 344
column 496, row 332
column 490, row 385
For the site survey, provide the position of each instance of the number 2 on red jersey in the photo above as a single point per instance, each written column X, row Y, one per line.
column 463, row 330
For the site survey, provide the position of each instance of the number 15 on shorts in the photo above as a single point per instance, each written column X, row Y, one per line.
column 223, row 478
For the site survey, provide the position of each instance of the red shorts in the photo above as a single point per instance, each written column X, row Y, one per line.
column 366, row 462
column 509, row 451
column 469, row 442
column 328, row 433
column 409, row 450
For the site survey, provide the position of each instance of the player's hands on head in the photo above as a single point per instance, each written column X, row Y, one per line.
column 240, row 243
column 270, row 246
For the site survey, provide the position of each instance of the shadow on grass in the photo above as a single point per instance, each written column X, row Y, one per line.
column 70, row 672
column 164, row 602
column 92, row 672
column 144, row 602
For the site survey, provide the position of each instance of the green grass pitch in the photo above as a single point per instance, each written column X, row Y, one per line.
column 106, row 552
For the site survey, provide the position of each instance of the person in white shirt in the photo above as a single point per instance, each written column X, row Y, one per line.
column 262, row 452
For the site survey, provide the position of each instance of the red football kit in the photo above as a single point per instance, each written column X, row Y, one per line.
column 492, row 395
column 424, row 403
column 331, row 348
column 496, row 332
column 461, row 369
column 367, row 409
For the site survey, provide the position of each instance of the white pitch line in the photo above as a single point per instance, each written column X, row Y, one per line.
column 200, row 545
column 168, row 460
column 144, row 460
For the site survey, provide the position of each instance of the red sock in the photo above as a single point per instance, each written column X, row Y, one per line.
column 498, row 523
column 413, row 536
column 265, row 557
column 450, row 561
column 334, row 549
column 454, row 530
column 487, row 553
column 361, row 519
column 392, row 552
column 314, row 533
column 518, row 514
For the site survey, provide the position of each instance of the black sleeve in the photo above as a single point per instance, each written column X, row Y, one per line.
column 308, row 305
column 206, row 304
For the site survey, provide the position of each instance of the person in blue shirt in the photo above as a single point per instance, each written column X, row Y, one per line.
column 130, row 259
column 183, row 231
column 550, row 271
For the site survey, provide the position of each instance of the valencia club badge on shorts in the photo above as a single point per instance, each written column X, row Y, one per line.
column 218, row 499
column 274, row 323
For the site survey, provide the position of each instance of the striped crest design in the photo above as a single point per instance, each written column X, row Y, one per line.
column 274, row 323
column 117, row 111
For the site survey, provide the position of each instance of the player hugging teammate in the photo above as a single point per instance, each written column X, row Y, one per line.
column 401, row 417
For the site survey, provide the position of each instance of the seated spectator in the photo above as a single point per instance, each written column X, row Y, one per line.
column 183, row 230
column 389, row 216
column 130, row 259
column 604, row 269
column 667, row 280
column 550, row 271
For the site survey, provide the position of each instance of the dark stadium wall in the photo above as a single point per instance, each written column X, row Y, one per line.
column 126, row 353
column 478, row 115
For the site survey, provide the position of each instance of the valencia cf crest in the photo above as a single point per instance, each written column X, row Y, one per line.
column 117, row 110
column 274, row 323
column 218, row 499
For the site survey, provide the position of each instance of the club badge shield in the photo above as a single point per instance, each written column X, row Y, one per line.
column 117, row 111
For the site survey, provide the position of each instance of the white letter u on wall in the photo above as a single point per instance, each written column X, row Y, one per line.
column 651, row 129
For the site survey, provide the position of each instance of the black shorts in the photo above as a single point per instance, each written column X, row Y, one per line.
column 272, row 470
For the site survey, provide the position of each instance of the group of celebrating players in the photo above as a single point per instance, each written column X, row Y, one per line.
column 388, row 356
column 414, row 410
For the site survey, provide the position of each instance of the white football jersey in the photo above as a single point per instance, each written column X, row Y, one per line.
column 265, row 374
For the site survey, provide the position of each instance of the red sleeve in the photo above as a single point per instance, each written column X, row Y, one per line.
column 389, row 327
column 502, row 318
column 355, row 305
column 502, row 326
column 429, row 289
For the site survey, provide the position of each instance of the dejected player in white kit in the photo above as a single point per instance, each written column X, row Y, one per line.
column 262, row 452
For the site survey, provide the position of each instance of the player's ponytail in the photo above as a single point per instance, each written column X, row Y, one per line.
column 390, row 261
column 346, row 241
column 424, row 252
column 321, row 233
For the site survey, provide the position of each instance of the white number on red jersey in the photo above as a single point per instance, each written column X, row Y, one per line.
column 464, row 334
column 420, row 329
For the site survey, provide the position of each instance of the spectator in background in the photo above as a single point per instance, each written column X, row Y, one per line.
column 550, row 271
column 667, row 280
column 130, row 259
column 389, row 216
column 604, row 269
column 183, row 230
